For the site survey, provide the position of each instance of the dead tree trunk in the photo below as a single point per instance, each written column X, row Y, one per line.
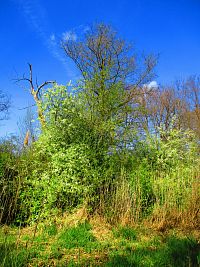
column 35, row 92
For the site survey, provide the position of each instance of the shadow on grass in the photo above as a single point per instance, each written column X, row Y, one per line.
column 13, row 256
column 175, row 253
column 10, row 256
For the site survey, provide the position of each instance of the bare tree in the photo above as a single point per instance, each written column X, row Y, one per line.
column 35, row 90
column 163, row 106
column 189, row 91
column 159, row 107
column 177, row 105
column 4, row 105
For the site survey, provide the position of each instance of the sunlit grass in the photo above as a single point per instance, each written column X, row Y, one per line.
column 77, row 245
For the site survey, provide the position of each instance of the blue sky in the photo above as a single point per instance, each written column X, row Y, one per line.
column 31, row 29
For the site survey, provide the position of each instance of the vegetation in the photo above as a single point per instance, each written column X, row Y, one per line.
column 85, row 244
column 113, row 148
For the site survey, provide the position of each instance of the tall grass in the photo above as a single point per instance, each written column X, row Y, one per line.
column 166, row 198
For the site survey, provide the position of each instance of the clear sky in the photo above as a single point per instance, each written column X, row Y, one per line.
column 30, row 31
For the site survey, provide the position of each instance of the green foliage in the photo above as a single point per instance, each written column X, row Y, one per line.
column 82, row 157
column 69, row 163
column 86, row 152
column 163, row 171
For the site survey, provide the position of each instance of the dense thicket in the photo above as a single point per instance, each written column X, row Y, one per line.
column 111, row 143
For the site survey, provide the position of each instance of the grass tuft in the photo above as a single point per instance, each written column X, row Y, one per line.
column 78, row 236
column 126, row 232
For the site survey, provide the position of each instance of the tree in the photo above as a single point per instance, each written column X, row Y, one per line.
column 162, row 108
column 112, row 78
column 190, row 91
column 4, row 105
column 35, row 90
column 27, row 127
column 104, row 60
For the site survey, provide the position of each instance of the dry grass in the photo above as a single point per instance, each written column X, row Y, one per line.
column 101, row 228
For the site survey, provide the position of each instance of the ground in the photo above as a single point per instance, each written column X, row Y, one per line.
column 75, row 240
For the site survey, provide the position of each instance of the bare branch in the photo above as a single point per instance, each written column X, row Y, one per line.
column 34, row 105
column 44, row 84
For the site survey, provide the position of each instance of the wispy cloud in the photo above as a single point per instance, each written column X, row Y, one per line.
column 52, row 37
column 76, row 33
column 53, row 45
column 36, row 17
column 69, row 35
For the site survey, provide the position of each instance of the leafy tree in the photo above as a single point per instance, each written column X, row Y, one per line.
column 112, row 77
